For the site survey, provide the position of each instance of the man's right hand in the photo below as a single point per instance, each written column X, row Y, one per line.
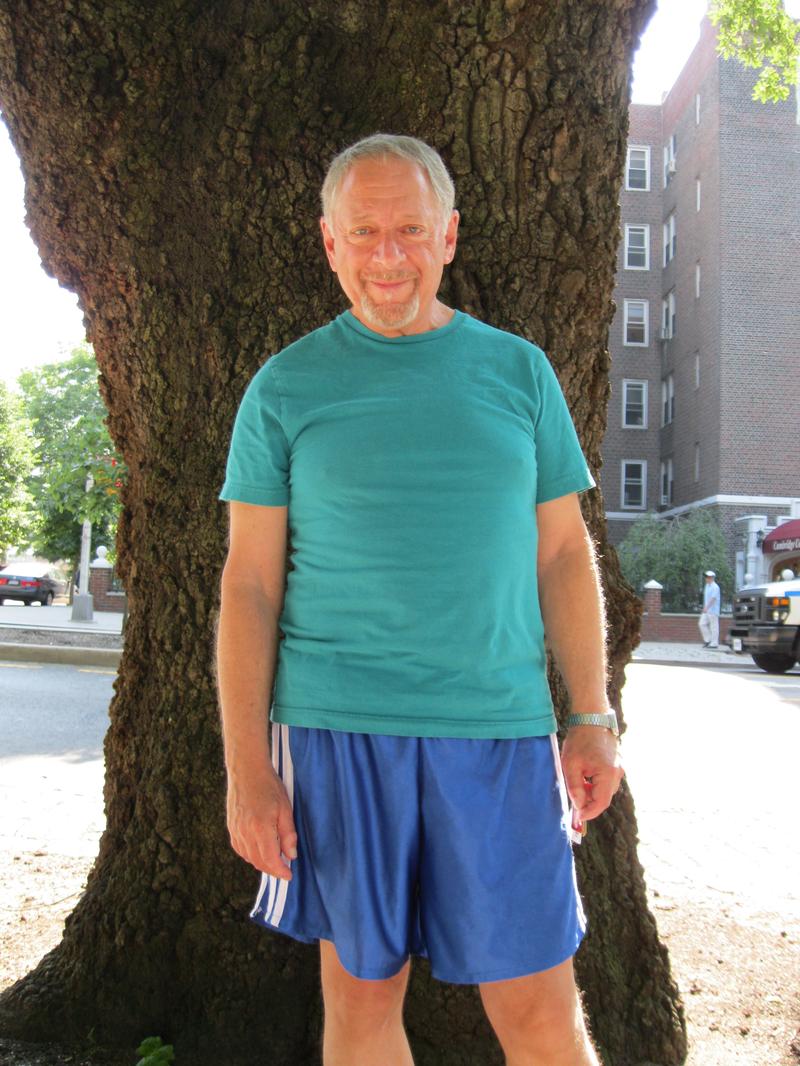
column 261, row 825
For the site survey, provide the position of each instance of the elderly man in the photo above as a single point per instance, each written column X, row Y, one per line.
column 414, row 803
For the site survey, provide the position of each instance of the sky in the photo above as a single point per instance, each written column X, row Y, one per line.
column 41, row 321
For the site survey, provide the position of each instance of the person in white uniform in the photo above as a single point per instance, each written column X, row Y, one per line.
column 709, row 618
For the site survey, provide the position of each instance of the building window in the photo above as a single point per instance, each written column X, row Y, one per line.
column 637, row 168
column 697, row 193
column 669, row 317
column 697, row 462
column 666, row 482
column 697, row 370
column 670, row 149
column 636, row 323
column 670, row 239
column 697, row 109
column 637, row 247
column 667, row 400
column 634, row 484
column 697, row 281
column 634, row 404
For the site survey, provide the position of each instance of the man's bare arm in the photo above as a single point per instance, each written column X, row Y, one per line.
column 571, row 601
column 259, row 813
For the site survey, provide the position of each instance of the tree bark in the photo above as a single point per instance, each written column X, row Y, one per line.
column 173, row 154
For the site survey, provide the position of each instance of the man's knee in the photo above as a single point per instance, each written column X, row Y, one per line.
column 357, row 1002
column 539, row 1012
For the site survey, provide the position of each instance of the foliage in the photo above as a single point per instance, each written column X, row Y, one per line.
column 16, row 464
column 154, row 1052
column 67, row 415
column 675, row 552
column 759, row 33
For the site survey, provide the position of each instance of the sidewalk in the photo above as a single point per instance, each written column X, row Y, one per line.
column 57, row 618
column 48, row 635
column 689, row 654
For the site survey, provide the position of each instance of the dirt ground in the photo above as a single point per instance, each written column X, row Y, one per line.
column 737, row 972
column 738, row 977
column 37, row 892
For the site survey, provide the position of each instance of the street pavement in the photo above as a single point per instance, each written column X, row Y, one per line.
column 710, row 758
column 53, row 719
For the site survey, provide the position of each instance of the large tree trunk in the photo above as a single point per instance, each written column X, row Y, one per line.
column 173, row 155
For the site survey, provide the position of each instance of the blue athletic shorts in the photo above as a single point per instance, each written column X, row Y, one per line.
column 457, row 850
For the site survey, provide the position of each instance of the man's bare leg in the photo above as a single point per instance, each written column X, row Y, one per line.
column 538, row 1019
column 363, row 1019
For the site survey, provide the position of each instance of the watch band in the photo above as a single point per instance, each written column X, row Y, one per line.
column 605, row 721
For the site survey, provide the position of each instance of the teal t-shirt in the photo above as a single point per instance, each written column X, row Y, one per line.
column 411, row 467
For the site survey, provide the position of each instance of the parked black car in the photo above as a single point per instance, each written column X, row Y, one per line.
column 29, row 582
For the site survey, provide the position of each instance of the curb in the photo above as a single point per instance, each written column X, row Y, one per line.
column 716, row 665
column 55, row 653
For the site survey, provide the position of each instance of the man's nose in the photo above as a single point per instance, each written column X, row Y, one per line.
column 387, row 249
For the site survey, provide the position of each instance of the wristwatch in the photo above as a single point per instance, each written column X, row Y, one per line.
column 606, row 721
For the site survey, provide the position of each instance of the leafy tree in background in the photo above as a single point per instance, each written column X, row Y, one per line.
column 760, row 34
column 675, row 552
column 643, row 552
column 16, row 463
column 62, row 403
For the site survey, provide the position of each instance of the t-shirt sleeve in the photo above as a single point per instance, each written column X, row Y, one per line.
column 258, row 459
column 561, row 466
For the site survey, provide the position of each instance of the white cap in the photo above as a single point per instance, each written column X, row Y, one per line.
column 710, row 573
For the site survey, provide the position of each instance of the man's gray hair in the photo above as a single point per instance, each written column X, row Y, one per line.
column 379, row 146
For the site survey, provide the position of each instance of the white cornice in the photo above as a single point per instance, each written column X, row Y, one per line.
column 720, row 500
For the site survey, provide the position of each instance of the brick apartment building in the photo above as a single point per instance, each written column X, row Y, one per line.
column 705, row 405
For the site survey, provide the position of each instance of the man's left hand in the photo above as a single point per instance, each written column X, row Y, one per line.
column 592, row 765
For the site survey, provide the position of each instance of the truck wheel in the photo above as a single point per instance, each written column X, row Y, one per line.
column 773, row 662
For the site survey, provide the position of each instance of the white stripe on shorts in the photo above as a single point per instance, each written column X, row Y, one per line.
column 276, row 887
column 566, row 805
column 287, row 776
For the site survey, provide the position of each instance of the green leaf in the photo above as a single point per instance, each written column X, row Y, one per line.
column 149, row 1045
column 155, row 1052
column 760, row 34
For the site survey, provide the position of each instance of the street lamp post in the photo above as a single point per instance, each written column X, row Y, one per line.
column 82, row 606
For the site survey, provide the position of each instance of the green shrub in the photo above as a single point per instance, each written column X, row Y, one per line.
column 675, row 552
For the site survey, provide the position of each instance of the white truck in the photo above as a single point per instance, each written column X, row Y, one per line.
column 766, row 623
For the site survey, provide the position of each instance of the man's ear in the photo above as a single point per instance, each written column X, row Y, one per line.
column 451, row 237
column 328, row 242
